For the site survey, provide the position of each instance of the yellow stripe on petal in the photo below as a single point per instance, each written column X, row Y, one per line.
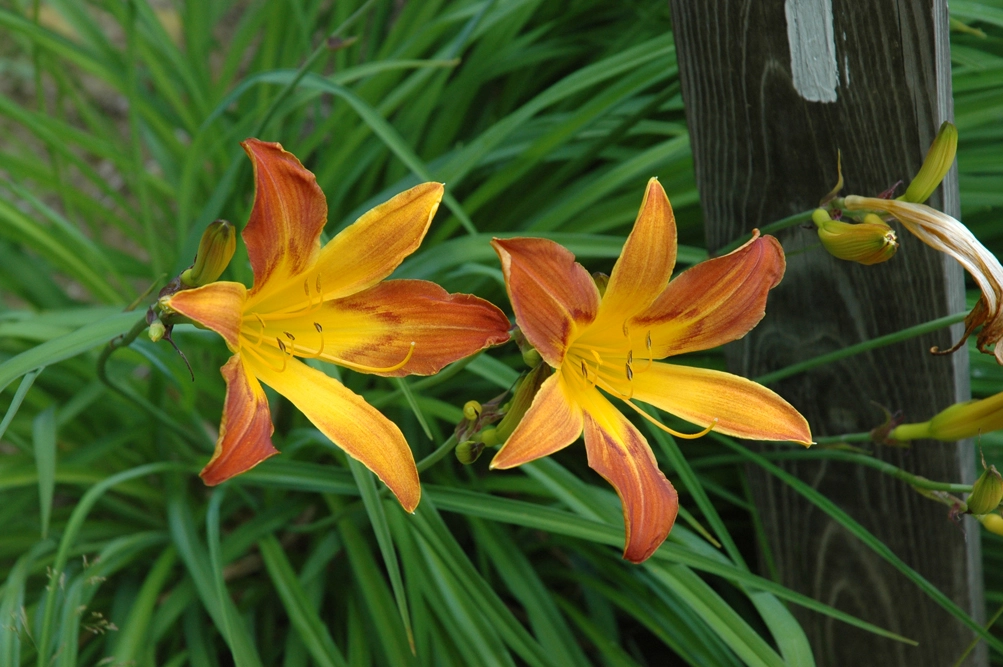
column 344, row 417
column 553, row 421
column 619, row 453
column 374, row 330
column 712, row 303
column 218, row 306
column 245, row 433
column 283, row 233
column 552, row 295
column 645, row 265
column 741, row 407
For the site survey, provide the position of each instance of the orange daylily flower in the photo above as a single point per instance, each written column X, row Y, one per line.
column 329, row 304
column 610, row 343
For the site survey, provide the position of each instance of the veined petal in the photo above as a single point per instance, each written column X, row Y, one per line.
column 619, row 453
column 552, row 295
column 289, row 213
column 646, row 262
column 365, row 252
column 218, row 306
column 553, row 421
column 712, row 303
column 741, row 407
column 344, row 417
column 245, row 432
column 373, row 331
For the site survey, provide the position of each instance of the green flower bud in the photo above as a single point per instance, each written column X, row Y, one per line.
column 472, row 410
column 869, row 242
column 993, row 522
column 468, row 451
column 986, row 493
column 601, row 280
column 157, row 330
column 215, row 250
column 937, row 163
column 489, row 437
column 531, row 357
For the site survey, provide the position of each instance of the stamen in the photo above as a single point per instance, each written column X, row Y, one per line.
column 613, row 390
column 626, row 332
column 264, row 359
column 282, row 346
column 289, row 335
column 684, row 436
column 311, row 307
column 372, row 369
column 261, row 332
column 630, row 372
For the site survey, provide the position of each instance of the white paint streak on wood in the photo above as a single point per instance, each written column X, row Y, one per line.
column 812, row 43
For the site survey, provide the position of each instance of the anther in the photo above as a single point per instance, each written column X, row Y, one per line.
column 630, row 372
column 289, row 335
column 282, row 346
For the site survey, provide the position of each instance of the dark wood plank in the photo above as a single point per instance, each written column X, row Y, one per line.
column 764, row 143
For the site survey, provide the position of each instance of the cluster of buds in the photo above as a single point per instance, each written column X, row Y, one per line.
column 216, row 248
column 872, row 241
column 490, row 424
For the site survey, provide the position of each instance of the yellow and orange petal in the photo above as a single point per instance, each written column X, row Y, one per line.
column 715, row 302
column 552, row 295
column 355, row 426
column 734, row 405
column 289, row 212
column 365, row 252
column 618, row 452
column 553, row 421
column 645, row 264
column 217, row 306
column 245, row 432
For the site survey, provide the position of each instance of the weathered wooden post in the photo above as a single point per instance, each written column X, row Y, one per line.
column 772, row 90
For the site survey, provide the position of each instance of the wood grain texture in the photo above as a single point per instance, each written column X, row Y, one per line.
column 763, row 152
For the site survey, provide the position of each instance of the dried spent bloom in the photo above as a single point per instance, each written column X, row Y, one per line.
column 946, row 234
column 608, row 344
column 869, row 242
column 330, row 304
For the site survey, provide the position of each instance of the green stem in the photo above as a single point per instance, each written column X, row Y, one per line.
column 874, row 343
column 784, row 223
column 310, row 62
column 884, row 467
column 102, row 372
column 438, row 454
column 845, row 437
column 975, row 642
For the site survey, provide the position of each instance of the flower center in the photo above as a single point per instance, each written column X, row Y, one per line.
column 606, row 373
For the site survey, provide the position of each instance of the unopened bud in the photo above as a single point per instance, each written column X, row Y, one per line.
column 869, row 242
column 215, row 250
column 157, row 330
column 531, row 357
column 937, row 163
column 987, row 492
column 468, row 451
column 959, row 421
column 993, row 522
column 601, row 280
column 472, row 410
column 489, row 437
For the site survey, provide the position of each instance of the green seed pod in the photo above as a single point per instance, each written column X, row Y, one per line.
column 468, row 451
column 531, row 357
column 215, row 250
column 986, row 493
